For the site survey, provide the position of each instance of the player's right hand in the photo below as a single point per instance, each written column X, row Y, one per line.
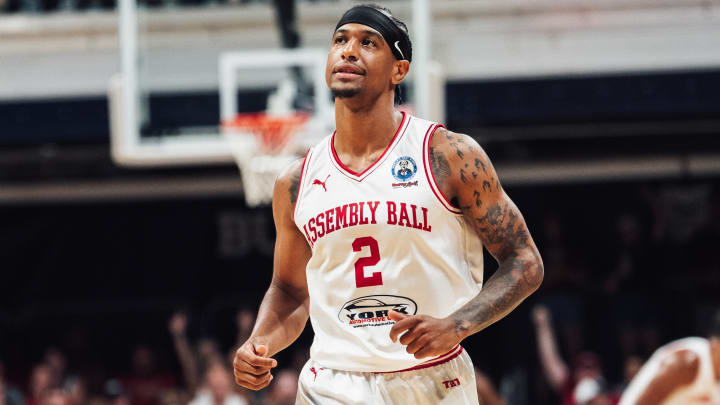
column 252, row 366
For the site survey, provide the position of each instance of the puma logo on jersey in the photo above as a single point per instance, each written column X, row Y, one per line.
column 317, row 182
column 312, row 370
column 451, row 383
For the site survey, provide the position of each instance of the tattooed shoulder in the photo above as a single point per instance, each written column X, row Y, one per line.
column 464, row 159
column 296, row 174
column 289, row 181
column 294, row 187
column 438, row 162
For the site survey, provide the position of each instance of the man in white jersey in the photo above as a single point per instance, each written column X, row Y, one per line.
column 683, row 372
column 380, row 231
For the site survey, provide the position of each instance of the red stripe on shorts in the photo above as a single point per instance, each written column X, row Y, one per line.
column 431, row 363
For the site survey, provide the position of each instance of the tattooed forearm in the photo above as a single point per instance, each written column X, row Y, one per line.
column 516, row 278
column 504, row 233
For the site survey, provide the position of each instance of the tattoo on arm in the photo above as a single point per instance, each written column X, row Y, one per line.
column 515, row 279
column 455, row 142
column 478, row 201
column 295, row 185
column 486, row 186
column 480, row 164
column 499, row 226
column 440, row 167
column 520, row 272
column 497, row 221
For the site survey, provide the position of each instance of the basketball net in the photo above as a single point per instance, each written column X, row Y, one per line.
column 262, row 146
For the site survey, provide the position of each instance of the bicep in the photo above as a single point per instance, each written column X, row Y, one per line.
column 291, row 256
column 496, row 219
column 292, row 251
column 485, row 206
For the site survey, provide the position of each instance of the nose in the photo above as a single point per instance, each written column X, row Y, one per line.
column 349, row 51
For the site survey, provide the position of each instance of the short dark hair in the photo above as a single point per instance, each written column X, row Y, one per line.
column 401, row 25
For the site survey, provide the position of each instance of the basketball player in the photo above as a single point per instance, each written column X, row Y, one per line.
column 387, row 263
column 683, row 372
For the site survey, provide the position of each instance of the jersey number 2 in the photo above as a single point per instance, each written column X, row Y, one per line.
column 360, row 279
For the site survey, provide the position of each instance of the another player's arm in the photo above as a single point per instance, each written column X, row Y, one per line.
column 465, row 174
column 677, row 370
column 284, row 310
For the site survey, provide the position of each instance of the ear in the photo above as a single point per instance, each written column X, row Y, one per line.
column 400, row 70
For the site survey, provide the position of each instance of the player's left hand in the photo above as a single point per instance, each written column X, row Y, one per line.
column 426, row 336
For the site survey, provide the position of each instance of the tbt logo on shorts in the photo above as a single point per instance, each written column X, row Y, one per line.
column 403, row 170
column 372, row 310
column 451, row 383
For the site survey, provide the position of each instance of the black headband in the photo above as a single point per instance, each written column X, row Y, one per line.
column 397, row 39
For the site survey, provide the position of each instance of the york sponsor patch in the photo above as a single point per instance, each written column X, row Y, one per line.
column 372, row 310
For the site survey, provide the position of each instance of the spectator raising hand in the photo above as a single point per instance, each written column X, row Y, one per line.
column 178, row 324
column 580, row 385
column 178, row 329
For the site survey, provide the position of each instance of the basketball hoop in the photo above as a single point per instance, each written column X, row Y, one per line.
column 262, row 147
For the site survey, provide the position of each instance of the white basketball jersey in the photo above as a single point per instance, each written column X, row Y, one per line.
column 704, row 390
column 382, row 239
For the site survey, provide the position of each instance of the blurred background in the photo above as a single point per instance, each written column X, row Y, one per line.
column 132, row 265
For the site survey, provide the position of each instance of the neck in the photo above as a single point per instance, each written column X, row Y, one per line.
column 363, row 128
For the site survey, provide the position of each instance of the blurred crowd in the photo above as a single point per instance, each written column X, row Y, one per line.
column 604, row 306
column 205, row 377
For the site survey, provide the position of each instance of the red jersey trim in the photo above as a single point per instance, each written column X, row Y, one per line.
column 303, row 171
column 452, row 354
column 431, row 176
column 361, row 176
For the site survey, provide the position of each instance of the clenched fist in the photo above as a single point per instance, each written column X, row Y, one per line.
column 252, row 366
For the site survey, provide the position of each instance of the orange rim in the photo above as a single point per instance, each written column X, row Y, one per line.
column 272, row 132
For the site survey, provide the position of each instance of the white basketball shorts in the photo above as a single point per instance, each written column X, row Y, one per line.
column 448, row 381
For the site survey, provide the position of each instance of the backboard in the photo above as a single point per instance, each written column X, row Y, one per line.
column 185, row 70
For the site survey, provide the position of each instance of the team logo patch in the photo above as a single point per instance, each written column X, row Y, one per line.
column 403, row 170
column 372, row 310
